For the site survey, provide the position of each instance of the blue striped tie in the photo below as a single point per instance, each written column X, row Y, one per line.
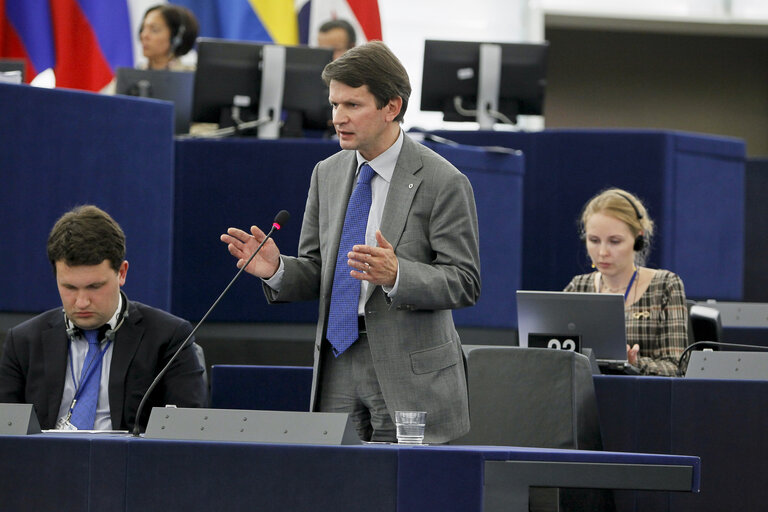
column 85, row 409
column 345, row 295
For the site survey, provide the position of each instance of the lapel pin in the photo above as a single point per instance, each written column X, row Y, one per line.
column 410, row 185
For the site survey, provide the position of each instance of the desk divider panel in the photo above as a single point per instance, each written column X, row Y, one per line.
column 692, row 184
column 270, row 388
column 62, row 148
column 756, row 243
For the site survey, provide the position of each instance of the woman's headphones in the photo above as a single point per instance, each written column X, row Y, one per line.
column 640, row 243
column 178, row 38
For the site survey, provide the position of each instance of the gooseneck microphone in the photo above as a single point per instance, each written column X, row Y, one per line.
column 280, row 219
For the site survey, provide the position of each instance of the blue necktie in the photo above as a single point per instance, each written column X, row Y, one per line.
column 85, row 409
column 342, row 317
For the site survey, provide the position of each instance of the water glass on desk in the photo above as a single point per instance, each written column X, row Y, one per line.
column 410, row 426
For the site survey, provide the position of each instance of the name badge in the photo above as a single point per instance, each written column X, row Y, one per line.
column 64, row 424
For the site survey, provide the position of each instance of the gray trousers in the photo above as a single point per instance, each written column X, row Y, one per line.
column 348, row 383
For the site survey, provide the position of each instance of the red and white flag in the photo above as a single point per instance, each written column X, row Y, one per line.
column 362, row 14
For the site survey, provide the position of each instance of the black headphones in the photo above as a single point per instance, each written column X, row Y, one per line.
column 640, row 239
column 178, row 38
column 105, row 332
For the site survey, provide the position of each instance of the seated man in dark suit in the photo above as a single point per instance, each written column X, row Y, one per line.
column 87, row 365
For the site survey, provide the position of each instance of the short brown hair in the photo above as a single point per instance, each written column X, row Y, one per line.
column 372, row 64
column 86, row 235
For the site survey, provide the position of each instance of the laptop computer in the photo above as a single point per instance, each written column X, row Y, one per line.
column 576, row 321
column 174, row 86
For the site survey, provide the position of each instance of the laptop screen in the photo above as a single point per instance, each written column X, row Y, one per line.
column 573, row 321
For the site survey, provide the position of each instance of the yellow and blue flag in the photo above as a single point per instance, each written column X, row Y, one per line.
column 272, row 21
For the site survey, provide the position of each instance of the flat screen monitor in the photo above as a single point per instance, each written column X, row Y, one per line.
column 228, row 73
column 10, row 65
column 173, row 86
column 278, row 87
column 484, row 82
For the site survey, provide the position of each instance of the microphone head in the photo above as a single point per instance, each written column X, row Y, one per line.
column 281, row 218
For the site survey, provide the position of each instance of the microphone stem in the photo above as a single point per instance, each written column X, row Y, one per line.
column 137, row 422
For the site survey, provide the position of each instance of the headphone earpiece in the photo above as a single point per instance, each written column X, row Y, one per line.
column 639, row 243
column 178, row 38
column 110, row 334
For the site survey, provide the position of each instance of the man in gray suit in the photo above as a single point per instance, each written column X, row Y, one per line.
column 415, row 259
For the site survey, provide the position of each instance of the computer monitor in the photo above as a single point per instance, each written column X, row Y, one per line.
column 277, row 89
column 484, row 82
column 305, row 96
column 11, row 65
column 228, row 74
column 174, row 86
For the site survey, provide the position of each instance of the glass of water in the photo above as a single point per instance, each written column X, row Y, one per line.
column 410, row 426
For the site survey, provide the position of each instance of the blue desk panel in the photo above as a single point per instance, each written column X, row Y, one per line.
column 756, row 243
column 261, row 388
column 119, row 473
column 63, row 472
column 225, row 183
column 60, row 149
column 723, row 422
column 693, row 186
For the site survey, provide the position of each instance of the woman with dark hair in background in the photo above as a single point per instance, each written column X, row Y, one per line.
column 167, row 32
column 617, row 231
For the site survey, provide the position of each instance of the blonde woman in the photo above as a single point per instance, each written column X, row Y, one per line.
column 617, row 231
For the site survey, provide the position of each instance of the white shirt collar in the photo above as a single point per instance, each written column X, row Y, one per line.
column 385, row 163
column 113, row 321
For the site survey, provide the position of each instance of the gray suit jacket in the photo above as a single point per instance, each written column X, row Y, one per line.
column 431, row 221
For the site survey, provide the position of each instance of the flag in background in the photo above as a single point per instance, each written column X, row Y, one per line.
column 83, row 41
column 26, row 33
column 282, row 21
column 249, row 20
column 92, row 38
column 362, row 14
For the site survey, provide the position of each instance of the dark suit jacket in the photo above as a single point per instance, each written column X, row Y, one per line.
column 430, row 219
column 35, row 354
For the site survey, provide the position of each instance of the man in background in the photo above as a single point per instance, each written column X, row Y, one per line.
column 339, row 35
